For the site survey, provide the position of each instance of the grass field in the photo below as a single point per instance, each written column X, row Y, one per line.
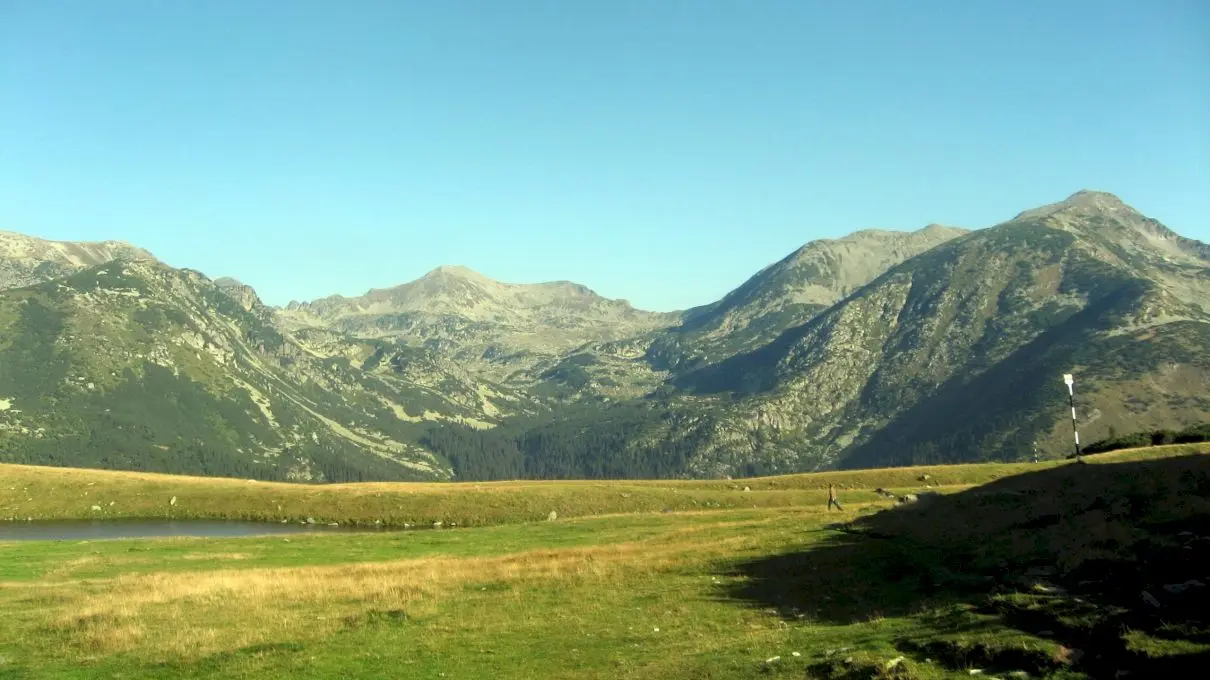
column 1034, row 569
column 30, row 492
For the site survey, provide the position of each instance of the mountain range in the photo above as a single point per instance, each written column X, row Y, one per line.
column 879, row 348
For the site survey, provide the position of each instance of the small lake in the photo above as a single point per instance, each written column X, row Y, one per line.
column 87, row 530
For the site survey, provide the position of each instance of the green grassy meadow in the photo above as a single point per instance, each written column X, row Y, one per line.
column 1018, row 571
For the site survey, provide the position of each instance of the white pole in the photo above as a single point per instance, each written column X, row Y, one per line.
column 1070, row 381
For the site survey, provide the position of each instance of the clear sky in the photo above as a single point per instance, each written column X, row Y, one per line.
column 653, row 150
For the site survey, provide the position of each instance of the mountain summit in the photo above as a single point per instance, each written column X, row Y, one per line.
column 794, row 289
column 1085, row 201
column 25, row 260
column 500, row 327
column 1116, row 233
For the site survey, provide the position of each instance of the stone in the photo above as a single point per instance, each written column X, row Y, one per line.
column 1068, row 655
column 1177, row 588
column 1150, row 599
column 310, row 521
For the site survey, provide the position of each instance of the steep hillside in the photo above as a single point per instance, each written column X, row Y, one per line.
column 957, row 354
column 25, row 260
column 789, row 293
column 502, row 331
column 135, row 365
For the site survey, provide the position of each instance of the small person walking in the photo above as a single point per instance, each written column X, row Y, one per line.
column 832, row 498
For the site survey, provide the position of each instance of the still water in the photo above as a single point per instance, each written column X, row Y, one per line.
column 84, row 530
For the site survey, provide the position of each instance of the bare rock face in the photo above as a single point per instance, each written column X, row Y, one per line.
column 25, row 260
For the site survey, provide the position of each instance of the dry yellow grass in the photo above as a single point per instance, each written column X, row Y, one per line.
column 69, row 566
column 189, row 615
column 225, row 557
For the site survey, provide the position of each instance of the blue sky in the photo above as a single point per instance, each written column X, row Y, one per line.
column 653, row 150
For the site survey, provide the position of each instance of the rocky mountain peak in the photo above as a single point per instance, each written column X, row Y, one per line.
column 84, row 253
column 1091, row 197
column 456, row 271
column 1084, row 203
column 792, row 290
column 228, row 282
column 239, row 291
column 28, row 260
column 1106, row 223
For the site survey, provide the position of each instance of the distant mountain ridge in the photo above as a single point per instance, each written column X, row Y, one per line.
column 505, row 329
column 459, row 290
column 878, row 348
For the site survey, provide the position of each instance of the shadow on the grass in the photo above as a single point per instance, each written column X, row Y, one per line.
column 1110, row 561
